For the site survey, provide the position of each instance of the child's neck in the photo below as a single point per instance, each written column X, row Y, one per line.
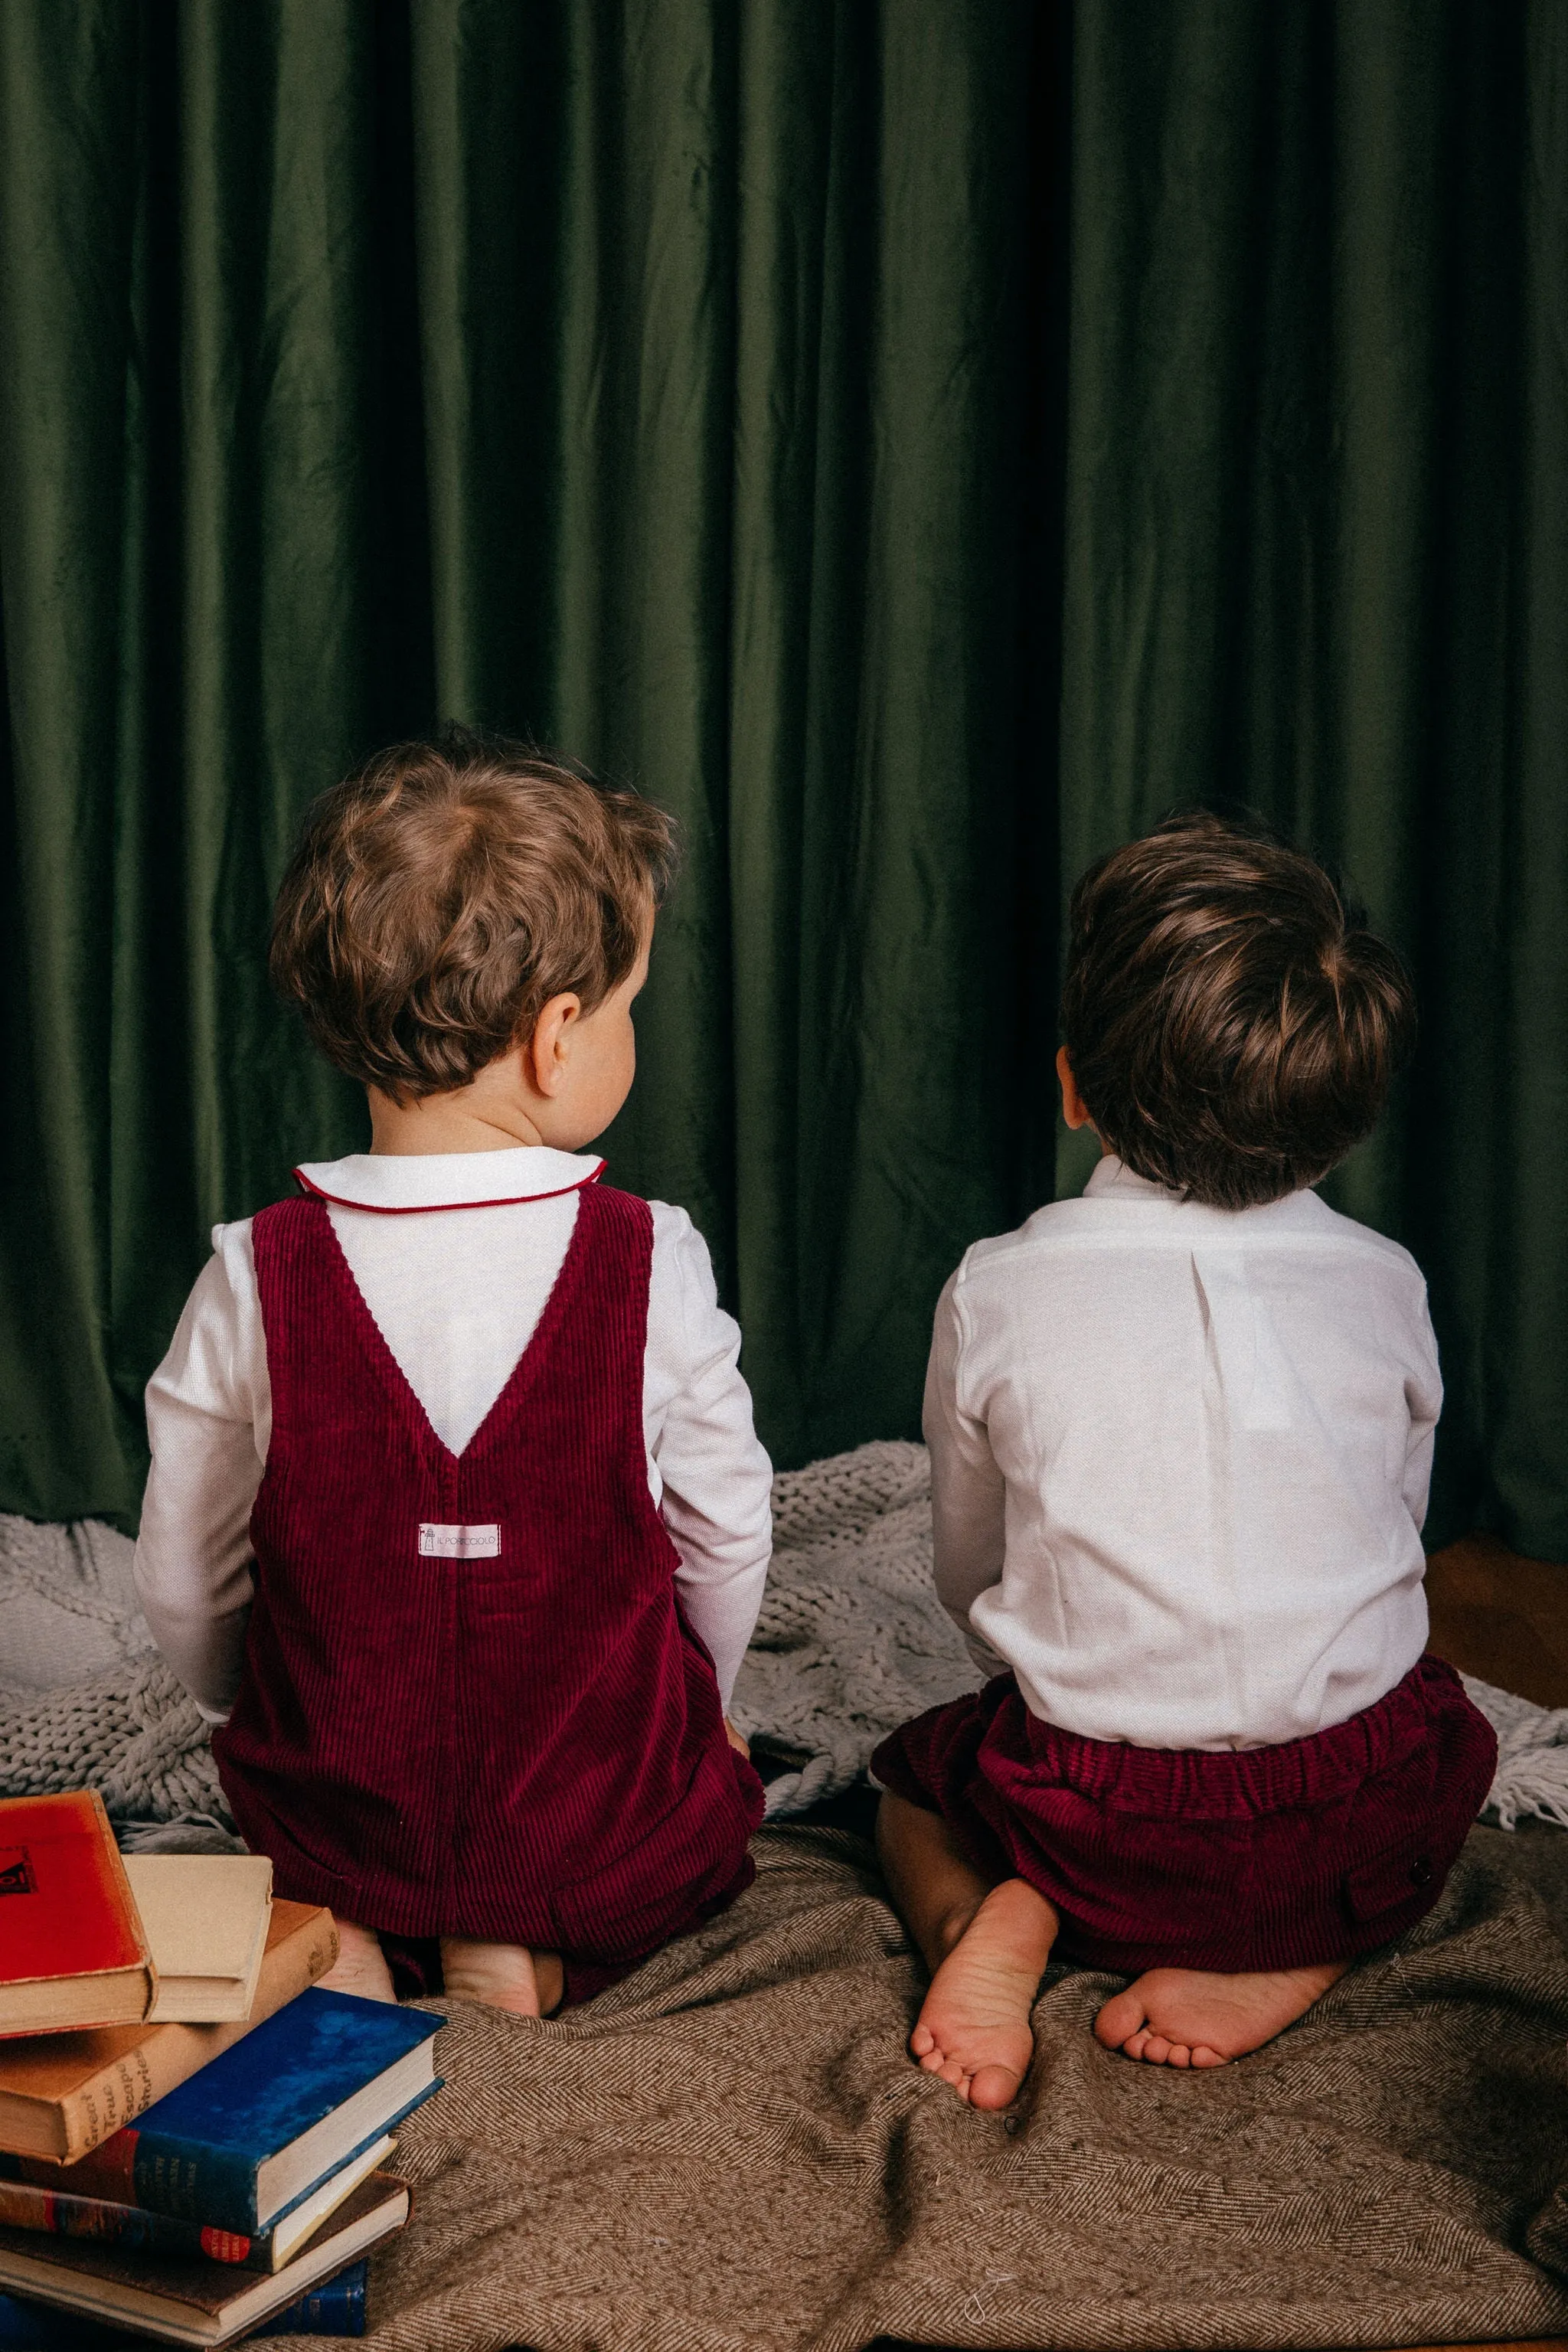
column 475, row 1118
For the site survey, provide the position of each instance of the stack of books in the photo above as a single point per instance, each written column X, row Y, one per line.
column 193, row 2133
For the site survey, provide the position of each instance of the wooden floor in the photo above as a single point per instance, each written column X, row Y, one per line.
column 1502, row 1617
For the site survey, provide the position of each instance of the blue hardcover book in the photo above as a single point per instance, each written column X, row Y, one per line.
column 336, row 2307
column 242, row 2140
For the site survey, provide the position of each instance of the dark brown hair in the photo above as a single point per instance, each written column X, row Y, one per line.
column 1232, row 1025
column 439, row 899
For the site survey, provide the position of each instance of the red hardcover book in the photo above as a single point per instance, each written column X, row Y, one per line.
column 72, row 1952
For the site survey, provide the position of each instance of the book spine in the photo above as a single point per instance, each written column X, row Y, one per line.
column 170, row 2054
column 336, row 2307
column 191, row 2180
column 25, row 2207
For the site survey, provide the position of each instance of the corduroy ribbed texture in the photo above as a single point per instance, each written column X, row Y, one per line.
column 1278, row 1857
column 528, row 1746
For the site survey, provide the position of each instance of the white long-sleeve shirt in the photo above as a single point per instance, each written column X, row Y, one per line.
column 457, row 1293
column 1180, row 1459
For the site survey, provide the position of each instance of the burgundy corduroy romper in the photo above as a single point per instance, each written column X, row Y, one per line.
column 470, row 1704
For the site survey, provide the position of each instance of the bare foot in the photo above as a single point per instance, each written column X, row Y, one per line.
column 361, row 1965
column 1186, row 2017
column 974, row 2026
column 509, row 1975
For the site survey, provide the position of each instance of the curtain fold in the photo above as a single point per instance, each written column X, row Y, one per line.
column 916, row 441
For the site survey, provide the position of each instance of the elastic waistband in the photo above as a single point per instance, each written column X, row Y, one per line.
column 1191, row 1783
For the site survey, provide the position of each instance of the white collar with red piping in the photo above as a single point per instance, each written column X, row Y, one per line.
column 392, row 1184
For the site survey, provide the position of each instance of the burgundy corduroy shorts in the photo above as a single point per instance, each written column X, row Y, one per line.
column 1318, row 1849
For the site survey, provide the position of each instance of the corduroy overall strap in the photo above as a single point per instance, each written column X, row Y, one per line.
column 316, row 1318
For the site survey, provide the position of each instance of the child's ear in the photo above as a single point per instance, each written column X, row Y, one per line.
column 547, row 1051
column 1073, row 1109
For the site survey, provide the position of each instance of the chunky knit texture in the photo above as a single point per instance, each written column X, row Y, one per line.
column 852, row 1640
column 85, row 1699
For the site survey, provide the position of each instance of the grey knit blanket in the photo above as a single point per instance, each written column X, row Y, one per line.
column 85, row 1701
column 851, row 1642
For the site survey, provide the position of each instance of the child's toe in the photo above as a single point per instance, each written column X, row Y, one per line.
column 1120, row 2017
column 992, row 2087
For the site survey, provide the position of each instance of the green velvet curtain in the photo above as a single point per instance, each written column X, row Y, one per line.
column 1316, row 558
column 917, row 441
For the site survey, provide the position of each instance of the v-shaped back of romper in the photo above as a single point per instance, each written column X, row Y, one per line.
column 523, row 1743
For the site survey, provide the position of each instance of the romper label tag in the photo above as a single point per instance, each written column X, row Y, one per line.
column 459, row 1543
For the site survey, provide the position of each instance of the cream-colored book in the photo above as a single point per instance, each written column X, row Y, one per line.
column 205, row 1918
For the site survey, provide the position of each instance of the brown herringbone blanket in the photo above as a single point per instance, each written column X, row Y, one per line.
column 730, row 2152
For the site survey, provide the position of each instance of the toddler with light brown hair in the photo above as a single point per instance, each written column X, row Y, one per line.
column 1181, row 1436
column 457, row 1525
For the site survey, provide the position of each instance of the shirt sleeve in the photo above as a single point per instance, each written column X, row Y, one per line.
column 714, row 1481
column 208, row 1425
column 968, row 1492
column 1424, row 1399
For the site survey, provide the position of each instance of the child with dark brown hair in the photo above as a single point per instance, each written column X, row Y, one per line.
column 457, row 1524
column 1181, row 1436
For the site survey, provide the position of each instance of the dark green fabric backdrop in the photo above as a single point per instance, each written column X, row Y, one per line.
column 916, row 440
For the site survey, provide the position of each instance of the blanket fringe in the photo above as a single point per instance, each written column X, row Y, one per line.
column 1532, row 1756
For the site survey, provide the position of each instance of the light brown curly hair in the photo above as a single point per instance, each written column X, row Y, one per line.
column 438, row 898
